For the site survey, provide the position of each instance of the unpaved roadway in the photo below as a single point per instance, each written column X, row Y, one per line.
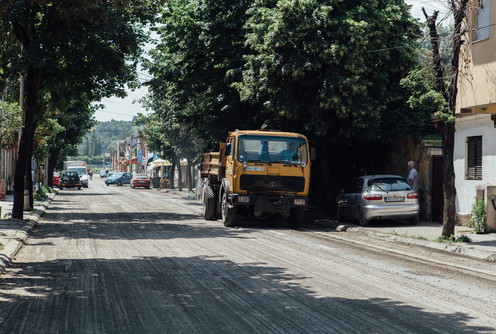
column 121, row 260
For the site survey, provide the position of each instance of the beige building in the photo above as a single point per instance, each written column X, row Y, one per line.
column 475, row 137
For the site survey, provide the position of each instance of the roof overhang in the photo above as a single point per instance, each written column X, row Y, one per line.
column 489, row 108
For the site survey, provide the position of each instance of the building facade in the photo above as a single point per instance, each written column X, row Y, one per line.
column 475, row 137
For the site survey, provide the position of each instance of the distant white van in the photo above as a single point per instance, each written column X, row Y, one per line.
column 104, row 173
column 83, row 174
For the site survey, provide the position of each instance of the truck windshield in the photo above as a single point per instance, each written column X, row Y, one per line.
column 272, row 149
column 80, row 170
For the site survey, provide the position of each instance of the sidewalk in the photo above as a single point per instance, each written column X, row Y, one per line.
column 482, row 246
column 14, row 232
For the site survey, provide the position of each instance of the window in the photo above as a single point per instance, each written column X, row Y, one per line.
column 474, row 158
column 272, row 149
column 481, row 21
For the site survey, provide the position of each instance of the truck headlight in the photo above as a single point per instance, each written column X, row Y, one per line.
column 300, row 201
column 243, row 199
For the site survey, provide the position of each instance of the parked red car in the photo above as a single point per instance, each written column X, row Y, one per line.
column 140, row 180
column 56, row 179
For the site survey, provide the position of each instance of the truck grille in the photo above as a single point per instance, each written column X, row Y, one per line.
column 272, row 183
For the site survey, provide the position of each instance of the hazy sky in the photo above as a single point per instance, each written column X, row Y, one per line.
column 125, row 109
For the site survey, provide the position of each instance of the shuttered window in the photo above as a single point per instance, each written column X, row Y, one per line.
column 474, row 158
column 481, row 22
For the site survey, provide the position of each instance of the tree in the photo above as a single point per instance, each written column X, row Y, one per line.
column 198, row 58
column 331, row 69
column 81, row 46
column 446, row 113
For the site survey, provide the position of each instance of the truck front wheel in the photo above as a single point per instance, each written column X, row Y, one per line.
column 208, row 203
column 296, row 216
column 228, row 212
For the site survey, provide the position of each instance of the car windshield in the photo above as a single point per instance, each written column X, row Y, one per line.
column 118, row 174
column 67, row 174
column 388, row 184
column 272, row 149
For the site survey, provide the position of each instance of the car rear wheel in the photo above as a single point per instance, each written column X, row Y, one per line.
column 119, row 184
column 361, row 218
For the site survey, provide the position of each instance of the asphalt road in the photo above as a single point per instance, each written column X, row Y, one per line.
column 121, row 260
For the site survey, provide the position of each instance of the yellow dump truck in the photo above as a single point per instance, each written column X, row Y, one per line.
column 257, row 173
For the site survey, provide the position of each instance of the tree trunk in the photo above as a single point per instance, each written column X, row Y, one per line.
column 189, row 176
column 449, row 189
column 172, row 175
column 23, row 164
column 458, row 9
column 179, row 175
column 52, row 161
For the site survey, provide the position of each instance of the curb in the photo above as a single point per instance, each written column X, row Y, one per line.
column 13, row 246
column 461, row 248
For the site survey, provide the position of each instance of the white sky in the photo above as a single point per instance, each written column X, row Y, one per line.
column 125, row 109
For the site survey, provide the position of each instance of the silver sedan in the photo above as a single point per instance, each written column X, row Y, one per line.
column 378, row 197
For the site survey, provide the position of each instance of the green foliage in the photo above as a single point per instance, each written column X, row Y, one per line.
column 325, row 68
column 452, row 238
column 10, row 124
column 478, row 215
column 199, row 56
column 41, row 193
column 330, row 68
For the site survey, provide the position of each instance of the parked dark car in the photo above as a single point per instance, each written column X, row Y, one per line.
column 378, row 197
column 140, row 180
column 119, row 178
column 70, row 179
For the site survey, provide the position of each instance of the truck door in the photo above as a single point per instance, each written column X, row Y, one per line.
column 230, row 151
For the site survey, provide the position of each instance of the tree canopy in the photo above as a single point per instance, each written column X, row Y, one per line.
column 330, row 69
column 70, row 48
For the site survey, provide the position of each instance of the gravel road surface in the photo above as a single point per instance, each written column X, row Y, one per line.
column 121, row 260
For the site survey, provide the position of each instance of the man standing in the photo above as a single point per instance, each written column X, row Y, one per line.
column 412, row 177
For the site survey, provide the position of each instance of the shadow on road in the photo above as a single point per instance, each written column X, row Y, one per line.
column 196, row 295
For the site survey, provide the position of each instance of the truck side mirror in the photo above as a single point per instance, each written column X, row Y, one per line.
column 228, row 149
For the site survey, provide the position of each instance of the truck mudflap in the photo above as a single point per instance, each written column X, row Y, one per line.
column 269, row 204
